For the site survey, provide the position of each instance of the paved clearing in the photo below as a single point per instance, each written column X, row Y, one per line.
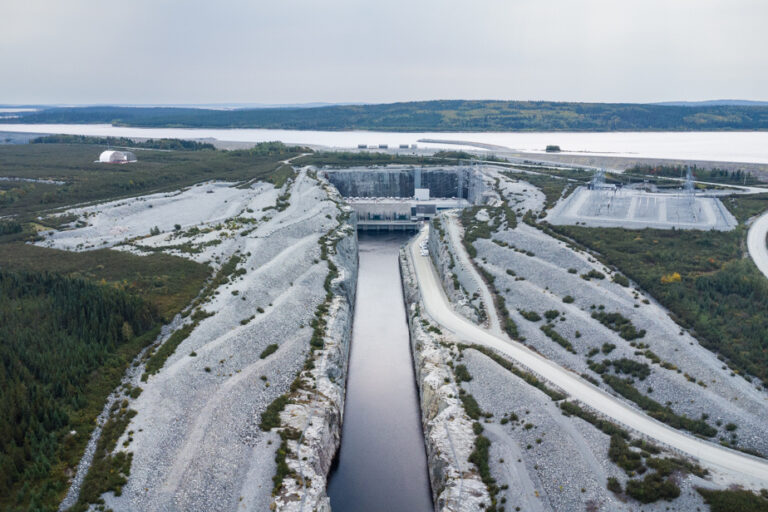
column 636, row 209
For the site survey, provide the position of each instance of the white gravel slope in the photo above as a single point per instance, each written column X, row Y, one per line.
column 740, row 467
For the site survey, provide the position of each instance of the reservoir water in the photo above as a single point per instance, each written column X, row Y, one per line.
column 715, row 146
column 382, row 464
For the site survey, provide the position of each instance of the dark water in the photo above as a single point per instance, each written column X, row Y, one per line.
column 382, row 464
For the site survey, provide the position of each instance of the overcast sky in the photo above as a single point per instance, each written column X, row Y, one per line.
column 290, row 51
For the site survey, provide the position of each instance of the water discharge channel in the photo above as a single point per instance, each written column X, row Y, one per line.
column 382, row 464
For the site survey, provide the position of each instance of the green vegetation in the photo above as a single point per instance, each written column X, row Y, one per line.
column 86, row 180
column 471, row 406
column 108, row 472
column 474, row 229
column 720, row 295
column 620, row 324
column 439, row 115
column 166, row 350
column 461, row 373
column 271, row 349
column 713, row 175
column 9, row 227
column 123, row 142
column 479, row 457
column 656, row 410
column 553, row 186
column 168, row 282
column 557, row 338
column 607, row 427
column 593, row 274
column 270, row 418
column 526, row 376
column 66, row 344
column 630, row 367
column 283, row 470
column 745, row 207
column 734, row 499
column 531, row 316
column 653, row 487
column 353, row 159
column 620, row 280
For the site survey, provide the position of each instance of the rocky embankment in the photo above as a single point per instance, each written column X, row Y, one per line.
column 462, row 289
column 448, row 431
column 240, row 408
column 317, row 394
column 550, row 453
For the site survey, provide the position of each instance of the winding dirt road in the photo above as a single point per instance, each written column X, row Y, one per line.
column 734, row 466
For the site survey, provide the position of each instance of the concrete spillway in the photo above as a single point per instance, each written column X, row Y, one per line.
column 401, row 181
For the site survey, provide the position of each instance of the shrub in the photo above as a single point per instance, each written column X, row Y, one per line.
column 614, row 485
column 268, row 351
column 568, row 299
column 531, row 316
column 270, row 418
column 674, row 277
column 620, row 280
column 621, row 455
column 462, row 374
column 653, row 488
column 557, row 338
column 656, row 410
column 471, row 406
column 734, row 499
column 620, row 324
column 593, row 274
column 630, row 367
column 551, row 314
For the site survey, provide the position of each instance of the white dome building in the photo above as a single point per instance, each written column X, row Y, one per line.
column 117, row 157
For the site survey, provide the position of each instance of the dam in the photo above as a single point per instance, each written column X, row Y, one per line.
column 400, row 198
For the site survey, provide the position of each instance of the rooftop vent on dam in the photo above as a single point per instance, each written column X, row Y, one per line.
column 399, row 198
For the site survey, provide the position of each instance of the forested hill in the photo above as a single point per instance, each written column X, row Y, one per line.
column 453, row 115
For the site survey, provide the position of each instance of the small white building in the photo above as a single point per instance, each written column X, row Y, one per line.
column 116, row 157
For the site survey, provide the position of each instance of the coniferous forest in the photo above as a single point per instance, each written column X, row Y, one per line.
column 57, row 333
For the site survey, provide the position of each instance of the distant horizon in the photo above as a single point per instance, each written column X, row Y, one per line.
column 235, row 105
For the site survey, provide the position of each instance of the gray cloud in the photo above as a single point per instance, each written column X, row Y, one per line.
column 190, row 51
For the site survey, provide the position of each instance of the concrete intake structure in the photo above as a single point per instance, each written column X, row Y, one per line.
column 399, row 198
column 402, row 181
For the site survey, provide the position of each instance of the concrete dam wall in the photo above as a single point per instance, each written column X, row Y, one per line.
column 459, row 182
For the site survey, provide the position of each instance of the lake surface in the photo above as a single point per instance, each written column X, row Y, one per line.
column 716, row 146
column 382, row 463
